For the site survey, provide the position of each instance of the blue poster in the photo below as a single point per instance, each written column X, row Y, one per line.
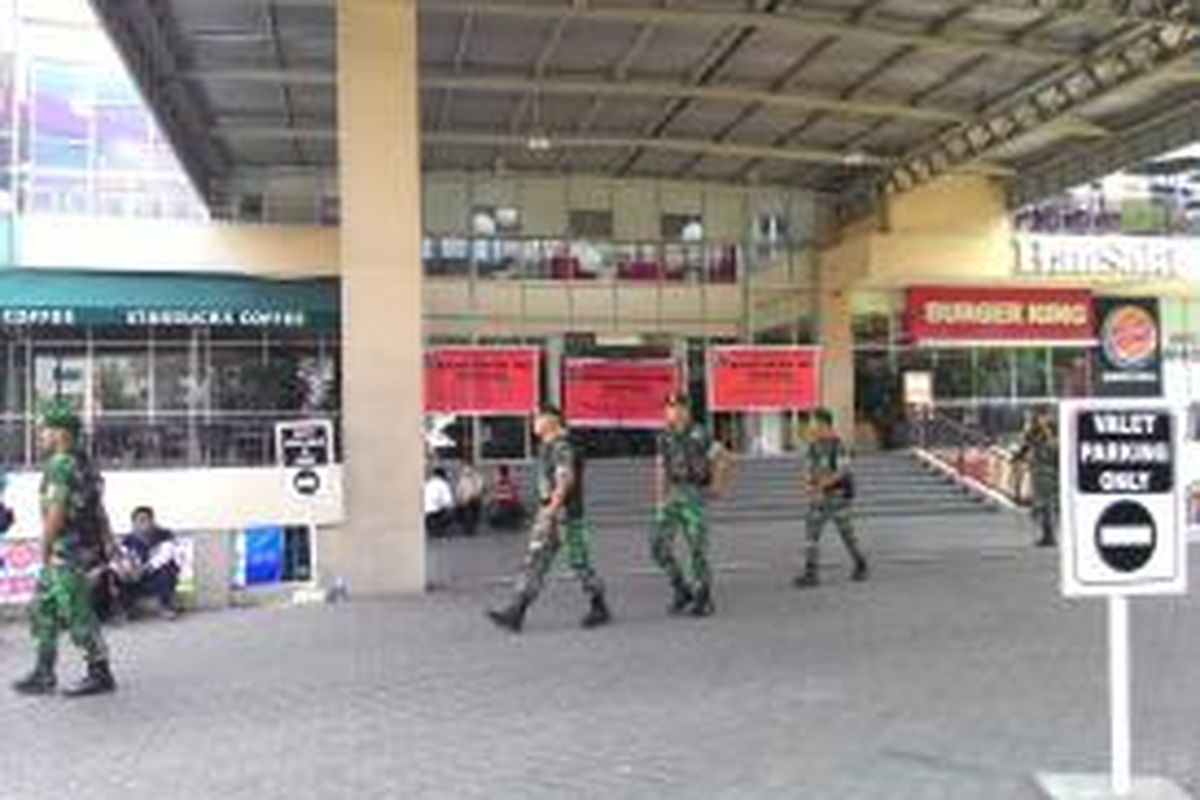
column 262, row 555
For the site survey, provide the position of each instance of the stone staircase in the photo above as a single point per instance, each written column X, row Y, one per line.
column 620, row 492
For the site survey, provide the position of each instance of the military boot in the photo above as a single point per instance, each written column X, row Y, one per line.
column 861, row 570
column 809, row 578
column 598, row 614
column 702, row 603
column 40, row 681
column 681, row 598
column 98, row 680
column 512, row 616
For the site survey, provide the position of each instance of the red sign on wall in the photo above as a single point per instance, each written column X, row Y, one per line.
column 973, row 314
column 482, row 380
column 764, row 378
column 616, row 393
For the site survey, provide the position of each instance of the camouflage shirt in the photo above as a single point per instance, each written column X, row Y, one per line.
column 69, row 482
column 1039, row 447
column 826, row 457
column 686, row 456
column 559, row 460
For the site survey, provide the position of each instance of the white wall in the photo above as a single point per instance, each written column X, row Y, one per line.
column 190, row 500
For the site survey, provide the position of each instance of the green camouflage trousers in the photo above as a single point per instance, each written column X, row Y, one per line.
column 550, row 533
column 63, row 601
column 822, row 511
column 1044, row 506
column 683, row 511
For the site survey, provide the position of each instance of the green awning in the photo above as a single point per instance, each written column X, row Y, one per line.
column 51, row 297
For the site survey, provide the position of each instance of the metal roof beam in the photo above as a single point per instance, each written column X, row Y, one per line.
column 235, row 132
column 793, row 24
column 1053, row 101
column 450, row 81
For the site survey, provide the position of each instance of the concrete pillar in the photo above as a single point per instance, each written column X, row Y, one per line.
column 381, row 548
column 836, row 338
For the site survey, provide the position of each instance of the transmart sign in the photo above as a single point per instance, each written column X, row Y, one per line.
column 1064, row 255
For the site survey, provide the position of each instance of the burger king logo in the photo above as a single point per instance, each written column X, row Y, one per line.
column 1129, row 337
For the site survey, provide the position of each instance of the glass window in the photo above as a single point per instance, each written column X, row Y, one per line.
column 590, row 224
column 994, row 372
column 952, row 373
column 504, row 438
column 60, row 373
column 13, row 377
column 1072, row 371
column 178, row 378
column 1033, row 372
column 121, row 380
column 239, row 378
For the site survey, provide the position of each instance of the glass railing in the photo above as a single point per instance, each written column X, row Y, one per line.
column 548, row 259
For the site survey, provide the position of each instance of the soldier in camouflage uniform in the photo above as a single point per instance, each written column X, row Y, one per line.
column 559, row 522
column 831, row 495
column 75, row 539
column 1039, row 449
column 689, row 462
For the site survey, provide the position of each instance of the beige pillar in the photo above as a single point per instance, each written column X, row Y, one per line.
column 837, row 370
column 381, row 548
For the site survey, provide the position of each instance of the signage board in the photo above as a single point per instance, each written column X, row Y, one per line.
column 1066, row 255
column 918, row 388
column 618, row 393
column 493, row 381
column 764, row 378
column 965, row 314
column 304, row 451
column 1124, row 526
column 1127, row 360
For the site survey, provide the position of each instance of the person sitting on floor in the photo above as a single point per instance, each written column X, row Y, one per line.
column 156, row 577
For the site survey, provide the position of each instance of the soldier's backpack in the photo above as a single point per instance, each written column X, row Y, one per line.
column 699, row 460
column 88, row 517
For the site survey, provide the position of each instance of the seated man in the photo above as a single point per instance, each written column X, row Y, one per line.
column 153, row 548
column 439, row 504
column 505, row 509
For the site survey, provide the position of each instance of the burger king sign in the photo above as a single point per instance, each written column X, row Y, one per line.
column 1128, row 358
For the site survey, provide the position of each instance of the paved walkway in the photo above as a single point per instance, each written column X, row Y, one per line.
column 953, row 674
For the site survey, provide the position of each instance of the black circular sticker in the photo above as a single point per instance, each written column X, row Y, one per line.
column 1126, row 536
column 307, row 482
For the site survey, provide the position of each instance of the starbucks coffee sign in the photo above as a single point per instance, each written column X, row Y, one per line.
column 1054, row 255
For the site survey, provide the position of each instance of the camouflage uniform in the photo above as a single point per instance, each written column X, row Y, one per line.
column 1040, row 450
column 63, row 596
column 686, row 458
column 827, row 457
column 558, row 462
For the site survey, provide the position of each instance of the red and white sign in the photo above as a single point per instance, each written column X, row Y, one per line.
column 973, row 314
column 618, row 393
column 764, row 378
column 20, row 565
column 482, row 380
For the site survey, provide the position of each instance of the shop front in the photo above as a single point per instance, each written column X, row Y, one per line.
column 168, row 371
column 990, row 354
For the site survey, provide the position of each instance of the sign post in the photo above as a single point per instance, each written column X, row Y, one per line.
column 1124, row 534
column 304, row 451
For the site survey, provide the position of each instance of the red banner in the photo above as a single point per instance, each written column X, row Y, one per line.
column 764, row 378
column 482, row 380
column 972, row 314
column 612, row 393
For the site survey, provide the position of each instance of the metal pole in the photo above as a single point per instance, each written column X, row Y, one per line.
column 1118, row 676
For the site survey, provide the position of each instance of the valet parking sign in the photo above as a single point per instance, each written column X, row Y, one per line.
column 1124, row 530
column 1124, row 534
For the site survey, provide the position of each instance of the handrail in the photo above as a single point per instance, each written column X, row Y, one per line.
column 969, row 453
